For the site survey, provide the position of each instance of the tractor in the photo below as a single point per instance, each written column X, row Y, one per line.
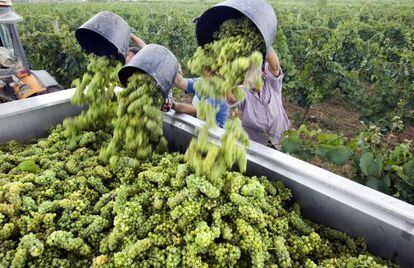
column 17, row 80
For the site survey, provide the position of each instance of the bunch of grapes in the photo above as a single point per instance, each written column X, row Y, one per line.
column 223, row 65
column 138, row 126
column 96, row 90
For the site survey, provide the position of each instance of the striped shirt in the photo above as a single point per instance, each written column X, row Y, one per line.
column 224, row 108
column 264, row 117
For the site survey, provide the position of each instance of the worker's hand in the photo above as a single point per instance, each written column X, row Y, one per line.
column 167, row 106
column 178, row 80
column 231, row 99
column 181, row 82
column 253, row 78
column 137, row 41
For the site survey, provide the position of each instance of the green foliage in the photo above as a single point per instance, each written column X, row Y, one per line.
column 28, row 166
column 56, row 52
column 374, row 164
column 370, row 166
column 361, row 54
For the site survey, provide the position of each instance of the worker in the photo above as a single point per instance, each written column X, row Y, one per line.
column 132, row 51
column 264, row 117
column 187, row 85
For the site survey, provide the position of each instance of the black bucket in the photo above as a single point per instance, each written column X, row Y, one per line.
column 259, row 12
column 155, row 60
column 105, row 34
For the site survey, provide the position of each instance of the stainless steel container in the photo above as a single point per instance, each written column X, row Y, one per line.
column 386, row 223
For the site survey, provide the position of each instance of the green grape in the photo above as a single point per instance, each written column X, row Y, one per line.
column 282, row 254
column 138, row 126
column 126, row 256
column 158, row 213
column 224, row 64
column 174, row 257
column 29, row 246
column 65, row 240
column 97, row 91
column 7, row 231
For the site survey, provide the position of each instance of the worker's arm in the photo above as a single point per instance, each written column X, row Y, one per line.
column 187, row 85
column 184, row 108
column 181, row 82
column 179, row 107
column 231, row 99
column 137, row 41
column 234, row 102
column 273, row 62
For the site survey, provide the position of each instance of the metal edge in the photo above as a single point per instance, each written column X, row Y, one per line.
column 41, row 101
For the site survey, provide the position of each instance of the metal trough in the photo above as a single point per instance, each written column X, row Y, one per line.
column 386, row 223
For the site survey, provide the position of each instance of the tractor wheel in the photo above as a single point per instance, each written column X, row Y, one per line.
column 4, row 98
column 6, row 95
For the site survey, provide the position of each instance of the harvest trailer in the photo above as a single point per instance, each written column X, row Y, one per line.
column 386, row 223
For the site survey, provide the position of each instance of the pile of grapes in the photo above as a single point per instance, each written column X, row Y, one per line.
column 67, row 208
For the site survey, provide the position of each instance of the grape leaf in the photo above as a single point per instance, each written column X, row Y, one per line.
column 323, row 150
column 408, row 170
column 373, row 183
column 28, row 166
column 290, row 145
column 340, row 155
column 370, row 166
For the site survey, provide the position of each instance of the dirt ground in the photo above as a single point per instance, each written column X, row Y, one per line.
column 332, row 116
column 329, row 116
column 337, row 118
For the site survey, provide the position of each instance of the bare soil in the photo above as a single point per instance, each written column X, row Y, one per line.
column 328, row 116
